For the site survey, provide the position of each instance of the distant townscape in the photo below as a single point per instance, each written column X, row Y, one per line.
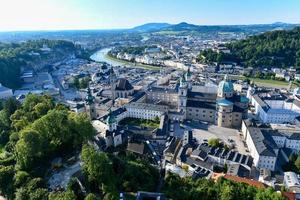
column 159, row 111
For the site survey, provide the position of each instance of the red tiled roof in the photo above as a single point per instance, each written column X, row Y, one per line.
column 289, row 195
column 253, row 183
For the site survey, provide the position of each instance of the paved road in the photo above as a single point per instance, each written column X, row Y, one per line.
column 62, row 177
column 65, row 95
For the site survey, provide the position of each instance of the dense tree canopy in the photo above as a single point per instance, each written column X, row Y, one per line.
column 32, row 135
column 111, row 174
column 276, row 48
column 185, row 189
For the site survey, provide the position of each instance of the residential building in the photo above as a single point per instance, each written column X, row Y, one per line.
column 291, row 182
column 274, row 107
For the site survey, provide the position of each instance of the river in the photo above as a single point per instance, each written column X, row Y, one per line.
column 101, row 56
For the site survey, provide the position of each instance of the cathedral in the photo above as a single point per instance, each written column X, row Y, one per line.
column 183, row 101
column 226, row 108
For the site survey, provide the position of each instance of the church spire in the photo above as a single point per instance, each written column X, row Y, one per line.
column 111, row 121
column 89, row 98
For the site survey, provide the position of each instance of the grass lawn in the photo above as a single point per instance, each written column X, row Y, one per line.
column 140, row 122
column 269, row 81
column 137, row 65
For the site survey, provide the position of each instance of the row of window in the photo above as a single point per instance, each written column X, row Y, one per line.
column 190, row 114
column 197, row 110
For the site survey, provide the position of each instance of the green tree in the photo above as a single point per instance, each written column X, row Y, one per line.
column 21, row 178
column 98, row 168
column 11, row 105
column 39, row 194
column 91, row 196
column 268, row 194
column 76, row 82
column 29, row 148
column 84, row 82
column 54, row 127
column 4, row 120
column 32, row 190
column 227, row 192
column 214, row 142
column 21, row 194
column 6, row 180
column 111, row 196
column 293, row 157
column 297, row 163
column 4, row 137
column 67, row 195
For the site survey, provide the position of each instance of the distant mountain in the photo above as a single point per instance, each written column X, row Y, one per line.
column 150, row 27
column 183, row 26
column 186, row 27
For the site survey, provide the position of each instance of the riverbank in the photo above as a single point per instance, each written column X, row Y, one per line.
column 131, row 64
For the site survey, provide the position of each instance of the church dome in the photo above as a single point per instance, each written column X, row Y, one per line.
column 225, row 86
column 110, row 118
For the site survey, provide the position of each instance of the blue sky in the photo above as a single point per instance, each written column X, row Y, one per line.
column 110, row 14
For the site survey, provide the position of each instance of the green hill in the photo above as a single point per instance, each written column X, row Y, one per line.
column 276, row 48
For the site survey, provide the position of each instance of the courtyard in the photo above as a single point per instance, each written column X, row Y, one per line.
column 143, row 123
column 202, row 132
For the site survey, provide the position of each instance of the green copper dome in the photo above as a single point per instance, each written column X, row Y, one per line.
column 89, row 99
column 225, row 86
column 182, row 80
column 110, row 118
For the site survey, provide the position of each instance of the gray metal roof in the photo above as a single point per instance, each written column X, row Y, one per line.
column 264, row 146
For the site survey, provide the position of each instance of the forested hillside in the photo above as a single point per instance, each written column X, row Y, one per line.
column 276, row 49
column 31, row 135
column 15, row 56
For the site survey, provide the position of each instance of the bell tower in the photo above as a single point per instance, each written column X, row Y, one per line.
column 182, row 94
column 90, row 105
column 111, row 122
column 188, row 77
column 112, row 82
